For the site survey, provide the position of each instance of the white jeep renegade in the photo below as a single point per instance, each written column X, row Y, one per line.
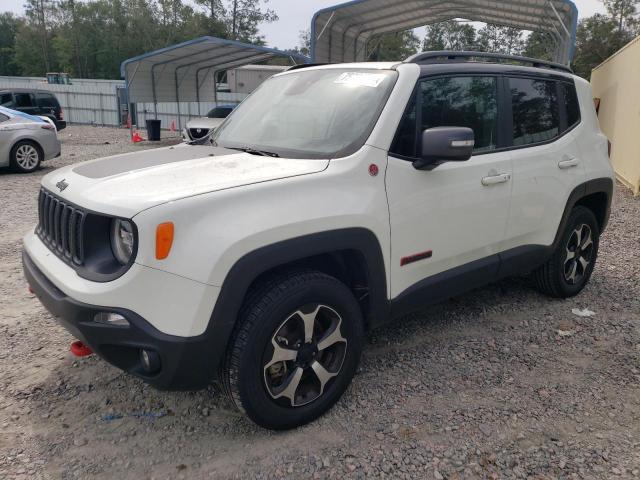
column 333, row 199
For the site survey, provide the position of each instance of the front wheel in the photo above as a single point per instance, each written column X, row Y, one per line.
column 296, row 349
column 568, row 271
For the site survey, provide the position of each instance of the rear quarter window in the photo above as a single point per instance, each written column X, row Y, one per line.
column 571, row 104
column 46, row 100
column 3, row 117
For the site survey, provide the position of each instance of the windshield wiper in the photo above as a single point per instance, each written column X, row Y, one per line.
column 254, row 151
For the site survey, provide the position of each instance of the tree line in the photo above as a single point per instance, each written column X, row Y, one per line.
column 89, row 39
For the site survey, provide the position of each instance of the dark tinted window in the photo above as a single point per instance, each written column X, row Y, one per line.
column 3, row 117
column 535, row 110
column 46, row 100
column 452, row 102
column 6, row 100
column 23, row 100
column 219, row 112
column 571, row 104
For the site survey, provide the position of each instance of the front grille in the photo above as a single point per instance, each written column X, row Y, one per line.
column 197, row 133
column 60, row 227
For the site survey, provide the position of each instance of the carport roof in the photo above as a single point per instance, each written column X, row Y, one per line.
column 341, row 33
column 177, row 73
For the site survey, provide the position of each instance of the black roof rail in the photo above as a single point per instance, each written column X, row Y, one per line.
column 453, row 57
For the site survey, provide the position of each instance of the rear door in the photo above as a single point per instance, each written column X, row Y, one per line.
column 547, row 163
column 48, row 105
column 451, row 219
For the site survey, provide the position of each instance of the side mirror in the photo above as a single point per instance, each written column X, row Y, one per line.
column 445, row 144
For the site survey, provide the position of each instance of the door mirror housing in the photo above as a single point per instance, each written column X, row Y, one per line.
column 445, row 144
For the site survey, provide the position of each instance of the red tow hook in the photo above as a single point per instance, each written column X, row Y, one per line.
column 79, row 349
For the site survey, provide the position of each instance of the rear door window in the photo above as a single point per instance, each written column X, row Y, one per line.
column 46, row 100
column 23, row 100
column 535, row 110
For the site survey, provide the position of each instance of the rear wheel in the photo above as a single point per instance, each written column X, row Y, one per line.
column 296, row 349
column 25, row 157
column 568, row 271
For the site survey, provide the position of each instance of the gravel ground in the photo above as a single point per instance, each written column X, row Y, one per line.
column 500, row 383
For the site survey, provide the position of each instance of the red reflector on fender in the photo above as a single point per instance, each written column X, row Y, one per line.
column 414, row 258
column 79, row 349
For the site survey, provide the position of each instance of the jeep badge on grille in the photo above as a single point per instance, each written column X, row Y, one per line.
column 62, row 185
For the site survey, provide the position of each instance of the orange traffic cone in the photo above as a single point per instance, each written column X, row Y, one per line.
column 173, row 126
column 136, row 138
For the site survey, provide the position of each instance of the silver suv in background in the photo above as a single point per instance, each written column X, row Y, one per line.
column 201, row 127
column 26, row 141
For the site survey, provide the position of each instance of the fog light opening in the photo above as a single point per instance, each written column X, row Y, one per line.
column 150, row 361
column 109, row 318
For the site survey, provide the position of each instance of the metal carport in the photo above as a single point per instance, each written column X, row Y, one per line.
column 341, row 33
column 179, row 73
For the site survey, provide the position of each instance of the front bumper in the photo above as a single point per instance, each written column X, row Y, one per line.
column 186, row 363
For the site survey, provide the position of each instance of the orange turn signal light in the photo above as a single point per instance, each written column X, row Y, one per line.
column 164, row 240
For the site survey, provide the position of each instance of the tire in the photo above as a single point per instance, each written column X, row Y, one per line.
column 569, row 269
column 25, row 157
column 271, row 372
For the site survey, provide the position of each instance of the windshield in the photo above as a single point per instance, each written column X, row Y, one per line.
column 324, row 113
column 220, row 112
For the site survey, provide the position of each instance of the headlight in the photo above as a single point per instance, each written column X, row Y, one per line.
column 122, row 240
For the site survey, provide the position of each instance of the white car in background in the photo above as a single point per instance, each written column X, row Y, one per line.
column 201, row 127
column 26, row 141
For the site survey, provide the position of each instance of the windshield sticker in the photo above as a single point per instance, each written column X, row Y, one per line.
column 359, row 79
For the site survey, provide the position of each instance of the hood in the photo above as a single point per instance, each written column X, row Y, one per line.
column 124, row 185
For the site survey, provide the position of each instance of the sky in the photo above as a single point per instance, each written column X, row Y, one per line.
column 295, row 16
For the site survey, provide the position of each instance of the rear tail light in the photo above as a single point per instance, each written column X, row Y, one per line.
column 48, row 126
column 61, row 114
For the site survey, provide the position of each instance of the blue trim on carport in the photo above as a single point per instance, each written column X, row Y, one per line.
column 220, row 41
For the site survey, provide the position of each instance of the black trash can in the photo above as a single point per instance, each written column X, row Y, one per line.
column 153, row 130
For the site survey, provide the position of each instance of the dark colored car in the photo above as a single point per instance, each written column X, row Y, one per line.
column 34, row 102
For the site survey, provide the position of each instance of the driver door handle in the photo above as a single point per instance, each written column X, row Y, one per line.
column 568, row 163
column 496, row 179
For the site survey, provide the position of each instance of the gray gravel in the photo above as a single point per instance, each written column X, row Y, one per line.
column 500, row 383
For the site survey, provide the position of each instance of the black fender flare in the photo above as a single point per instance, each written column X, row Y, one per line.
column 249, row 267
column 597, row 185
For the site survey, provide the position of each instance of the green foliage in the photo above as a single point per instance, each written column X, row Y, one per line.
column 450, row 35
column 497, row 39
column 393, row 46
column 539, row 45
column 598, row 38
column 91, row 38
column 9, row 26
